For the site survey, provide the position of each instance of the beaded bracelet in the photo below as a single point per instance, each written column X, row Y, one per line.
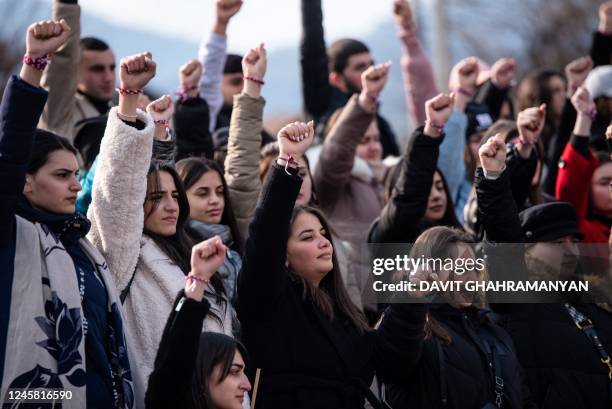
column 163, row 122
column 439, row 127
column 289, row 160
column 256, row 80
column 464, row 91
column 192, row 277
column 182, row 92
column 124, row 91
column 39, row 63
column 591, row 113
column 372, row 98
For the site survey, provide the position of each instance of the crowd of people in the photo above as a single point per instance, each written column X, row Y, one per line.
column 175, row 254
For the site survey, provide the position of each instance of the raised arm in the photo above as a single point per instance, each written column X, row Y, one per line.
column 601, row 48
column 212, row 54
column 242, row 160
column 119, row 190
column 61, row 77
column 417, row 72
column 316, row 88
column 22, row 105
column 333, row 170
column 451, row 161
column 400, row 218
column 161, row 110
column 573, row 180
column 263, row 275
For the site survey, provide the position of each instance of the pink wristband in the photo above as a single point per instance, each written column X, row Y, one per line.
column 124, row 91
column 39, row 63
column 290, row 160
column 464, row 91
column 193, row 277
column 182, row 92
column 435, row 125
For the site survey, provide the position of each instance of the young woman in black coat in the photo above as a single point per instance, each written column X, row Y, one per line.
column 198, row 370
column 312, row 344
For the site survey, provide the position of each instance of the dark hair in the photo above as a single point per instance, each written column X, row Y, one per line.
column 330, row 297
column 178, row 246
column 93, row 44
column 233, row 64
column 214, row 349
column 341, row 50
column 268, row 154
column 190, row 170
column 533, row 91
column 45, row 143
column 448, row 219
column 440, row 242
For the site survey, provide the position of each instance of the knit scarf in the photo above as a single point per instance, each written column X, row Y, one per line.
column 46, row 343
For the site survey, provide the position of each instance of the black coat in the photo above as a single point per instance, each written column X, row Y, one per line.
column 465, row 376
column 321, row 99
column 562, row 366
column 306, row 360
column 175, row 364
column 191, row 122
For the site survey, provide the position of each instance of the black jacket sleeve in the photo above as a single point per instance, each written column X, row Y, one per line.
column 22, row 106
column 566, row 126
column 399, row 341
column 170, row 381
column 493, row 97
column 601, row 49
column 191, row 123
column 313, row 58
column 521, row 173
column 263, row 275
column 400, row 218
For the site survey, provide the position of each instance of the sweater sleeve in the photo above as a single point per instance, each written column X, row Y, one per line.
column 242, row 160
column 118, row 194
column 400, row 218
column 451, row 161
column 212, row 55
column 175, row 363
column 263, row 275
column 313, row 58
column 333, row 169
column 60, row 79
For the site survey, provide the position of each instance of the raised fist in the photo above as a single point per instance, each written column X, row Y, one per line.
column 137, row 71
column 161, row 109
column 530, row 123
column 294, row 139
column 226, row 9
column 207, row 257
column 502, row 72
column 467, row 70
column 46, row 37
column 255, row 62
column 582, row 101
column 374, row 78
column 576, row 72
column 190, row 73
column 493, row 154
column 402, row 13
column 439, row 108
column 605, row 18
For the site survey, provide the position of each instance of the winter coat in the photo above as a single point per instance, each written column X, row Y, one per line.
column 65, row 106
column 191, row 127
column 306, row 360
column 321, row 99
column 117, row 217
column 71, row 335
column 562, row 366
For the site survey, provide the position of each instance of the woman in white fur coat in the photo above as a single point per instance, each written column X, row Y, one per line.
column 138, row 212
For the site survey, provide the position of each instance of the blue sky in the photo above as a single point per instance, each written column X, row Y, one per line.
column 276, row 22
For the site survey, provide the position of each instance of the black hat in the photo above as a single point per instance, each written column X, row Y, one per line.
column 549, row 221
column 233, row 64
column 479, row 118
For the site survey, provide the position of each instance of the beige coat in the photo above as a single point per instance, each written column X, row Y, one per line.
column 117, row 217
column 65, row 107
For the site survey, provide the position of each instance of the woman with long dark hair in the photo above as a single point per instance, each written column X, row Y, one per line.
column 139, row 210
column 61, row 322
column 312, row 344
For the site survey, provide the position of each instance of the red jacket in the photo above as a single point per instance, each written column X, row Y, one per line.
column 574, row 186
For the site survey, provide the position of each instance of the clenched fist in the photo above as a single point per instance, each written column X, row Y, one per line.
column 530, row 123
column 137, row 71
column 226, row 9
column 207, row 257
column 190, row 74
column 493, row 155
column 502, row 72
column 294, row 139
column 576, row 72
column 438, row 110
column 161, row 109
column 46, row 37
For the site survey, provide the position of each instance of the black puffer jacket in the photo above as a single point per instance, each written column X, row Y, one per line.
column 460, row 374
